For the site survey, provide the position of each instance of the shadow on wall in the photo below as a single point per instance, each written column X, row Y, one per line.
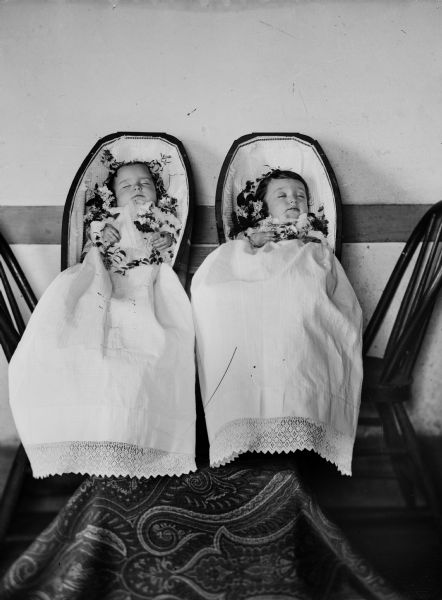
column 203, row 160
column 352, row 168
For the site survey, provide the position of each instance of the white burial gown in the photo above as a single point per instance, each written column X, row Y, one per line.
column 278, row 333
column 102, row 381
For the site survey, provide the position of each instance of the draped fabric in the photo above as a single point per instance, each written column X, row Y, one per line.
column 103, row 380
column 243, row 531
column 279, row 345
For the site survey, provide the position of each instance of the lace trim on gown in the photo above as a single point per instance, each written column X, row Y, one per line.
column 106, row 459
column 285, row 434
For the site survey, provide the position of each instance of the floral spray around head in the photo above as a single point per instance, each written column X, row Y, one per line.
column 151, row 218
column 252, row 214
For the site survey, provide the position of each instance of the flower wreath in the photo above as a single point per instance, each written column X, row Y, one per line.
column 152, row 218
column 252, row 214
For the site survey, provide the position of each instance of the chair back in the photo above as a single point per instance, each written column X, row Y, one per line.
column 169, row 155
column 12, row 324
column 424, row 249
column 254, row 154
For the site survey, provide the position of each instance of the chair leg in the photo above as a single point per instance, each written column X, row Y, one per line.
column 395, row 444
column 12, row 490
column 420, row 468
column 326, row 592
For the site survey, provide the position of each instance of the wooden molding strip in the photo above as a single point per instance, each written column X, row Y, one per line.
column 361, row 223
column 380, row 222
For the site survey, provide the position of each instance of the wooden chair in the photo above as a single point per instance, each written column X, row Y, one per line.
column 387, row 380
column 12, row 326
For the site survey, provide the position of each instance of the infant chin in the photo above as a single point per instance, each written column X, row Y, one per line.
column 291, row 215
column 296, row 217
column 139, row 200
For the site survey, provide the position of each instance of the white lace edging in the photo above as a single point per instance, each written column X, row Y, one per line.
column 281, row 435
column 106, row 459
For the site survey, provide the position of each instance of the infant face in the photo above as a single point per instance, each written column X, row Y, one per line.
column 286, row 199
column 134, row 183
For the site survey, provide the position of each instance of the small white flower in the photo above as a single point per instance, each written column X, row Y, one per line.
column 303, row 221
column 104, row 192
column 293, row 228
column 257, row 207
column 97, row 227
column 155, row 166
column 145, row 209
column 316, row 234
column 266, row 224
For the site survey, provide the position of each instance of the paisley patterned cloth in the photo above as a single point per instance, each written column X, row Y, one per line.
column 242, row 531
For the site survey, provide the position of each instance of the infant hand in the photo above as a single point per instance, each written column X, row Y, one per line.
column 161, row 241
column 259, row 238
column 110, row 235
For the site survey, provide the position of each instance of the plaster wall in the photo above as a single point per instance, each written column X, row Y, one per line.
column 362, row 77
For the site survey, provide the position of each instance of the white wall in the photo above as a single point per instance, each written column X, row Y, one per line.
column 362, row 77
